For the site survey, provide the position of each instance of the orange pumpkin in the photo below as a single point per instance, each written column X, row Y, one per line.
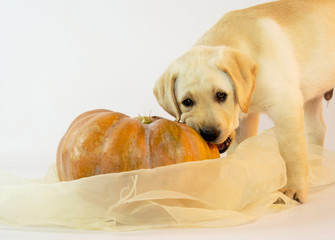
column 102, row 141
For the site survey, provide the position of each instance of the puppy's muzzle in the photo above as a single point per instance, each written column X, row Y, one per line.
column 210, row 134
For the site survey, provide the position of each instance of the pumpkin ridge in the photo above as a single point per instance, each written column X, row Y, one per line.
column 82, row 122
column 147, row 128
column 186, row 132
column 164, row 140
column 109, row 132
column 148, row 123
column 105, row 138
column 76, row 129
column 189, row 132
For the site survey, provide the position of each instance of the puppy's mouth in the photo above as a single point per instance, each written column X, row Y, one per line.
column 225, row 145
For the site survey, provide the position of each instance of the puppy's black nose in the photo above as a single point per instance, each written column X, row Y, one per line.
column 209, row 134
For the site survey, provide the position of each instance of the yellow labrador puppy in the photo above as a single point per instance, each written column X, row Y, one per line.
column 276, row 58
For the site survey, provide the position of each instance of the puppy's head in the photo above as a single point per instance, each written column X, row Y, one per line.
column 207, row 88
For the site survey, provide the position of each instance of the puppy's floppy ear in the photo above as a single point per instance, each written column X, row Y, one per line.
column 165, row 93
column 242, row 70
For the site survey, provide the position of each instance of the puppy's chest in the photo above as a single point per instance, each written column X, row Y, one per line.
column 260, row 102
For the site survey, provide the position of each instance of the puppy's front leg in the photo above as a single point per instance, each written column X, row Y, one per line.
column 248, row 127
column 289, row 123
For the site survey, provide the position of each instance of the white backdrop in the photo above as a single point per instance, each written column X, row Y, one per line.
column 61, row 58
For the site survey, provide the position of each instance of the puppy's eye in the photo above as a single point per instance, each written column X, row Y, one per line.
column 221, row 96
column 187, row 103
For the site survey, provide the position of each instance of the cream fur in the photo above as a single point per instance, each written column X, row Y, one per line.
column 276, row 58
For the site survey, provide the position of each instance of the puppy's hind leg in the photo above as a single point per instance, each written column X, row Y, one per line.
column 315, row 125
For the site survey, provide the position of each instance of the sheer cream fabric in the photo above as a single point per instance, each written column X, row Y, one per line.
column 223, row 192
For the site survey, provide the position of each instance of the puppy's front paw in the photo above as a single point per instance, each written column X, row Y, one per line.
column 299, row 195
column 297, row 182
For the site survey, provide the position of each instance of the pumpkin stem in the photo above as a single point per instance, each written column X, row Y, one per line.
column 144, row 119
